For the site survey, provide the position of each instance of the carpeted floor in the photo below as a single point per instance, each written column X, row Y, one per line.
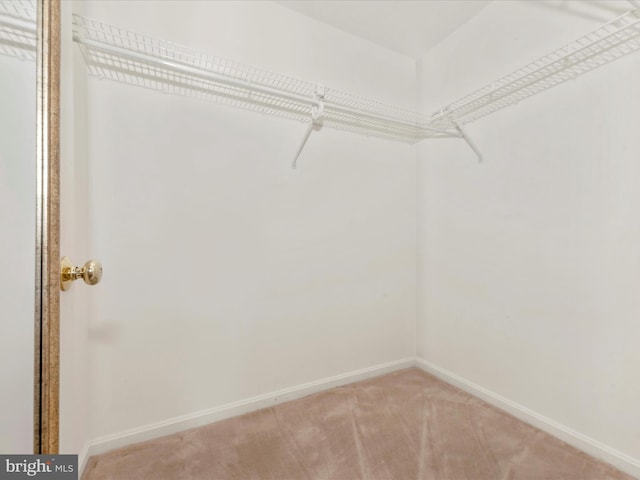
column 405, row 425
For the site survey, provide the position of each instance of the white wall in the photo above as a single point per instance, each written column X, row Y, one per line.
column 226, row 274
column 17, row 258
column 529, row 262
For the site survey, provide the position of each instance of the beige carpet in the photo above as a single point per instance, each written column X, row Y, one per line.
column 405, row 425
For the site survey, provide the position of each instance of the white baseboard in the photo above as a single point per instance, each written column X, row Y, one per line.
column 204, row 417
column 83, row 456
column 597, row 449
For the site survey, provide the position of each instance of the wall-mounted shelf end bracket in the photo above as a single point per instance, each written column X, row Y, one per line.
column 317, row 110
column 463, row 133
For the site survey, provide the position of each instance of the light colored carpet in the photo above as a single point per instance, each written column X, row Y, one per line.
column 401, row 426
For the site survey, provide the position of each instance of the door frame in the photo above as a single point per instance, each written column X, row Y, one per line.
column 47, row 285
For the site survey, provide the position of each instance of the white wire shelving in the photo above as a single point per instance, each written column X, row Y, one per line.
column 609, row 42
column 18, row 29
column 114, row 53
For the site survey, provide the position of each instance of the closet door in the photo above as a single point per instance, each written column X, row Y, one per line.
column 18, row 226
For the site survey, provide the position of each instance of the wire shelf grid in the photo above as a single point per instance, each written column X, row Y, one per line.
column 115, row 53
column 18, row 29
column 118, row 54
column 609, row 42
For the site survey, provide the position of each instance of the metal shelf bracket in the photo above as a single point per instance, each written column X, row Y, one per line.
column 316, row 121
column 470, row 142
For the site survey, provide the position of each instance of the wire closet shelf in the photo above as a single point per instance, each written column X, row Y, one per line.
column 114, row 53
column 609, row 42
column 18, row 29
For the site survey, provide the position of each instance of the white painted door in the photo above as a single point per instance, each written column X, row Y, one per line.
column 17, row 250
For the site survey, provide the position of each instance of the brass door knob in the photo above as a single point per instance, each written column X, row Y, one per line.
column 90, row 272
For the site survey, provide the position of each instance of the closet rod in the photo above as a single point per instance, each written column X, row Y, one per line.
column 396, row 126
column 191, row 70
column 544, row 72
column 606, row 43
column 121, row 55
column 16, row 23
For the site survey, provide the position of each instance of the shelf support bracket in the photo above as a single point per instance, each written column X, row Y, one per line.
column 463, row 133
column 316, row 121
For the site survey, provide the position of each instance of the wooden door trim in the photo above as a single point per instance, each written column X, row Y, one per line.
column 47, row 301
